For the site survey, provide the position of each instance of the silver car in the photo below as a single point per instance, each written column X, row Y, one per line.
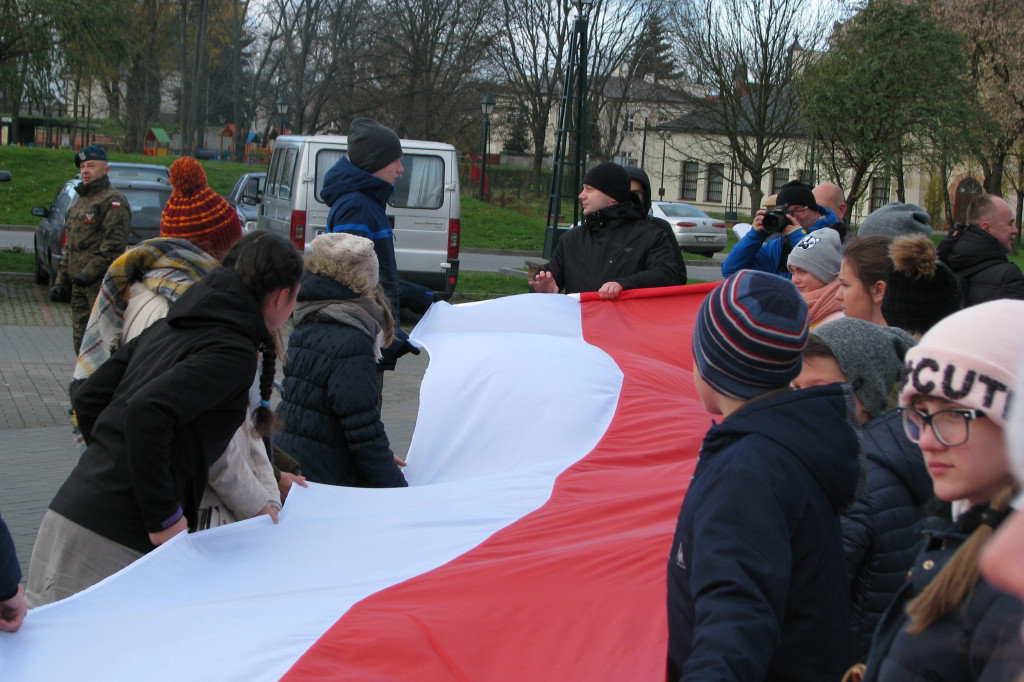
column 695, row 231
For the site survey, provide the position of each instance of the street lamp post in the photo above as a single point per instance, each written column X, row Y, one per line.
column 282, row 111
column 664, row 141
column 47, row 114
column 487, row 107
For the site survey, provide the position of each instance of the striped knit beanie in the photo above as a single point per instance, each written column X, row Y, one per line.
column 749, row 335
column 197, row 213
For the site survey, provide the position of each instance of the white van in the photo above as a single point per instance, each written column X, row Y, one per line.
column 424, row 210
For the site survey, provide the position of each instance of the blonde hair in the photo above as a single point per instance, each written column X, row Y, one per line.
column 387, row 321
column 955, row 582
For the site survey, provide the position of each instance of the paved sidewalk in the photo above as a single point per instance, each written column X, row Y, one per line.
column 36, row 447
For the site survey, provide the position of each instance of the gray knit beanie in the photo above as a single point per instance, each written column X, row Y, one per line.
column 871, row 357
column 372, row 146
column 819, row 253
column 896, row 220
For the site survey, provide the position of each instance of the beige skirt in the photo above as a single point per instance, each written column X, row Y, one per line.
column 67, row 558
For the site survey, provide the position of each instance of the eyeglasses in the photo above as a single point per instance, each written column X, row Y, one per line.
column 951, row 427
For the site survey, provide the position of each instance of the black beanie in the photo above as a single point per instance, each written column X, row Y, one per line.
column 611, row 179
column 920, row 289
column 372, row 146
column 796, row 193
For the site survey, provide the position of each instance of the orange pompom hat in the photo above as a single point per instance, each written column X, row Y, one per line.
column 197, row 213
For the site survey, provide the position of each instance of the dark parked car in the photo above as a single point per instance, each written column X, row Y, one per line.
column 145, row 197
column 245, row 197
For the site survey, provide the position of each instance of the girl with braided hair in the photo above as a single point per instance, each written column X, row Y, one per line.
column 158, row 414
column 949, row 623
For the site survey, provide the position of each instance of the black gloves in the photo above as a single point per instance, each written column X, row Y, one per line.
column 58, row 293
column 80, row 280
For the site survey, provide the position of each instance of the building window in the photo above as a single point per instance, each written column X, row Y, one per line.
column 630, row 123
column 807, row 177
column 716, row 178
column 780, row 176
column 879, row 193
column 688, row 189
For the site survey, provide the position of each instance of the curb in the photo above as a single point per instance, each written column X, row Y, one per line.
column 501, row 252
column 16, row 228
column 17, row 275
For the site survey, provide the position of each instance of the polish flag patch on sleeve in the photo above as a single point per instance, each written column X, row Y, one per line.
column 115, row 204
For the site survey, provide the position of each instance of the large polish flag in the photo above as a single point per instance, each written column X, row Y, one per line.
column 555, row 439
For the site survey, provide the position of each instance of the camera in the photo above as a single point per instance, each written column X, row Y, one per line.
column 776, row 220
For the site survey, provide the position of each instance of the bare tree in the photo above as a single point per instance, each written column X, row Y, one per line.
column 428, row 64
column 746, row 54
column 531, row 57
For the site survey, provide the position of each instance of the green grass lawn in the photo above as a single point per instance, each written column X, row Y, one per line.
column 477, row 286
column 16, row 260
column 485, row 226
column 37, row 174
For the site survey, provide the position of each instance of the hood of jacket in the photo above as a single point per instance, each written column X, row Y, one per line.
column 814, row 424
column 219, row 300
column 319, row 288
column 615, row 215
column 972, row 247
column 640, row 176
column 886, row 444
column 345, row 177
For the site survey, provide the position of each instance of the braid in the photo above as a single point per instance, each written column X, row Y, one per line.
column 264, row 418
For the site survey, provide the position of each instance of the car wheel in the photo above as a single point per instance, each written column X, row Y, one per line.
column 40, row 272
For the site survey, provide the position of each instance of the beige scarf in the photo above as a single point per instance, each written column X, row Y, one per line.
column 822, row 302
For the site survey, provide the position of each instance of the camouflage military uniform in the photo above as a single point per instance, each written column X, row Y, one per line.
column 97, row 232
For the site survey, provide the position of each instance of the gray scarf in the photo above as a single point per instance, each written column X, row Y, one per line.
column 362, row 313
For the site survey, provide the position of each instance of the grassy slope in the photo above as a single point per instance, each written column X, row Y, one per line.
column 491, row 227
column 38, row 173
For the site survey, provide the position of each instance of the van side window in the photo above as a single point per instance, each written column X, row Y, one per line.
column 421, row 184
column 284, row 190
column 275, row 166
column 325, row 160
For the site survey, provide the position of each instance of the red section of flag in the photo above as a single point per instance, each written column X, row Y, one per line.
column 575, row 590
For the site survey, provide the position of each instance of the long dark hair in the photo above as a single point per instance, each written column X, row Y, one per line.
column 265, row 263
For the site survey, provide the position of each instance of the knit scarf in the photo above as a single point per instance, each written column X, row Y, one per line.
column 363, row 314
column 164, row 266
column 822, row 302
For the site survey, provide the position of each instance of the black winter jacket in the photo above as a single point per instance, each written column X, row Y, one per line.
column 10, row 571
column 881, row 531
column 329, row 406
column 979, row 261
column 160, row 411
column 614, row 244
column 979, row 641
column 756, row 584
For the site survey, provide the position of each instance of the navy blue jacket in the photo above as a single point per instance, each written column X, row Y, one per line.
column 753, row 252
column 10, row 570
column 980, row 640
column 357, row 200
column 329, row 406
column 881, row 531
column 756, row 584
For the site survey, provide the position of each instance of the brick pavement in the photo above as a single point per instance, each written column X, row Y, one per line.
column 36, row 448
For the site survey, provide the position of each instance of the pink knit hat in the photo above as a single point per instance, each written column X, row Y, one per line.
column 970, row 358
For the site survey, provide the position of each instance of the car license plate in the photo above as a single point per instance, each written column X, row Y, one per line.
column 706, row 240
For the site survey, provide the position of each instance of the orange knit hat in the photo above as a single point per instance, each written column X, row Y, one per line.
column 197, row 213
